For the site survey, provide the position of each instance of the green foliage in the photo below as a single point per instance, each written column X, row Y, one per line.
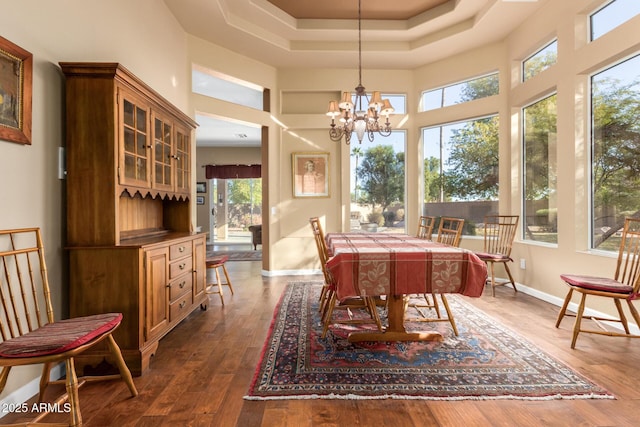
column 381, row 175
column 539, row 63
column 616, row 150
column 357, row 153
column 432, row 180
column 375, row 217
column 480, row 88
column 540, row 131
column 472, row 172
column 245, row 202
column 389, row 217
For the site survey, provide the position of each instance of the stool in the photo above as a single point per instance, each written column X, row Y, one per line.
column 216, row 262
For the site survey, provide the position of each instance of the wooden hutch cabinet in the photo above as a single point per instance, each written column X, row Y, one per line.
column 131, row 244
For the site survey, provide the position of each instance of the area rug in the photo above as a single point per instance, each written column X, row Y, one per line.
column 486, row 360
column 238, row 255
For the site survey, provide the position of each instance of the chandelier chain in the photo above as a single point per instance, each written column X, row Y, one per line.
column 353, row 116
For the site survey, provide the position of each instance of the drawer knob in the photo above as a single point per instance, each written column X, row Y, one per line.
column 182, row 304
column 182, row 266
column 182, row 285
column 181, row 249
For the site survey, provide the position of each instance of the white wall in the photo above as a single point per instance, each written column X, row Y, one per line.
column 140, row 34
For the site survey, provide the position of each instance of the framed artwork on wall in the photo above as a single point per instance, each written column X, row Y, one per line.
column 200, row 200
column 16, row 79
column 201, row 187
column 310, row 174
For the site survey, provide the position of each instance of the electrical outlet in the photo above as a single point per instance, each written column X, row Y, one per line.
column 523, row 263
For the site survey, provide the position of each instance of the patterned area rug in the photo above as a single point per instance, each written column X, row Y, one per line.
column 486, row 360
column 238, row 255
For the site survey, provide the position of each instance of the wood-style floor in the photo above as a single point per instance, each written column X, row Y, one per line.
column 203, row 368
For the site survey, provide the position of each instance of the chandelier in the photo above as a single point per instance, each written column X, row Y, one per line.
column 352, row 116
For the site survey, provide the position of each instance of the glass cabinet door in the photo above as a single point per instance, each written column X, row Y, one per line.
column 163, row 156
column 183, row 161
column 134, row 169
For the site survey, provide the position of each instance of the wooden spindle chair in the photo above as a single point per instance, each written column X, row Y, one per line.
column 624, row 286
column 425, row 227
column 499, row 233
column 31, row 335
column 328, row 298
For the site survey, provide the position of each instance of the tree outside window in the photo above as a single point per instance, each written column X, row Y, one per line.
column 615, row 166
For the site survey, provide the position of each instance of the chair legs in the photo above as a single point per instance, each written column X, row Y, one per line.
column 72, row 393
column 368, row 303
column 494, row 283
column 436, row 308
column 217, row 285
column 579, row 315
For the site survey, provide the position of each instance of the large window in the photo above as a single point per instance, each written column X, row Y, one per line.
column 540, row 171
column 377, row 185
column 612, row 15
column 216, row 85
column 615, row 101
column 540, row 61
column 461, row 170
column 468, row 90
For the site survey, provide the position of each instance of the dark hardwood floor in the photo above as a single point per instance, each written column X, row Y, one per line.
column 203, row 368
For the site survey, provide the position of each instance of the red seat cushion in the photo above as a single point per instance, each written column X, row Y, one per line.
column 484, row 256
column 58, row 337
column 595, row 283
column 217, row 260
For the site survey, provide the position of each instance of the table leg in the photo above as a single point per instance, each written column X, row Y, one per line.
column 395, row 331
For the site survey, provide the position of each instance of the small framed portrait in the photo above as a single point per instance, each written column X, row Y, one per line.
column 310, row 174
column 200, row 200
column 16, row 79
column 201, row 187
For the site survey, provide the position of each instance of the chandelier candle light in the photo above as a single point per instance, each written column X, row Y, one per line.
column 352, row 115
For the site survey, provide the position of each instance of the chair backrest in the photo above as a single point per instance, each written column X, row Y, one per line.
column 628, row 266
column 450, row 231
column 24, row 287
column 499, row 233
column 321, row 245
column 425, row 227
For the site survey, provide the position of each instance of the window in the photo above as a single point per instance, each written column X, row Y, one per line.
column 540, row 61
column 615, row 169
column 377, row 185
column 612, row 15
column 461, row 170
column 205, row 82
column 540, row 171
column 468, row 90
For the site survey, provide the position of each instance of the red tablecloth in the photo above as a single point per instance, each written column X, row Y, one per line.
column 397, row 264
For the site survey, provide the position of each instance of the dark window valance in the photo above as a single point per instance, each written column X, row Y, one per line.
column 233, row 171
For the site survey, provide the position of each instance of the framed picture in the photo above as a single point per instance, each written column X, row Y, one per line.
column 16, row 78
column 310, row 174
column 201, row 187
column 200, row 200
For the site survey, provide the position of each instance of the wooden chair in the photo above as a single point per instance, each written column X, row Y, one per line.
column 215, row 263
column 449, row 233
column 625, row 285
column 30, row 335
column 328, row 298
column 499, row 232
column 425, row 227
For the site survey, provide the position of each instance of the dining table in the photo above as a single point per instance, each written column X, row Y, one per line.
column 397, row 265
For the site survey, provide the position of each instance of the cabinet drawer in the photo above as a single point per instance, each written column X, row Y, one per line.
column 180, row 250
column 180, row 307
column 179, row 287
column 180, row 267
